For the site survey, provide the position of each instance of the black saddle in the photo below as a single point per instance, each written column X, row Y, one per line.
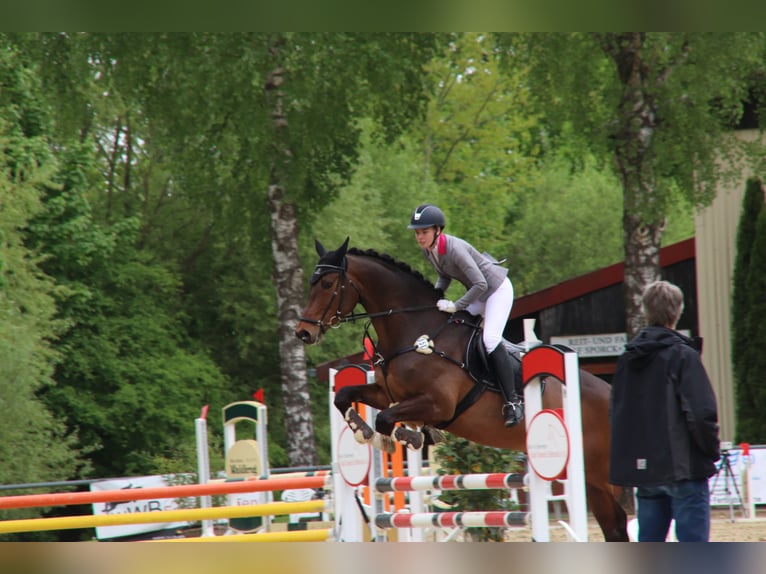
column 477, row 364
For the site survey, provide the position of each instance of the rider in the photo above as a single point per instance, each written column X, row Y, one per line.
column 489, row 294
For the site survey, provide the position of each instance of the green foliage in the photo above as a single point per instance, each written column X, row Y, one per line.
column 478, row 141
column 34, row 445
column 459, row 456
column 129, row 379
column 753, row 427
column 570, row 223
column 130, row 367
column 694, row 85
column 748, row 313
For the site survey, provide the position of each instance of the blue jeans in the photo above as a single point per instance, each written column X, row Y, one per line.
column 688, row 501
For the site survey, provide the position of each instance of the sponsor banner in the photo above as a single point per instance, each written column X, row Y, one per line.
column 129, row 506
column 728, row 487
column 598, row 345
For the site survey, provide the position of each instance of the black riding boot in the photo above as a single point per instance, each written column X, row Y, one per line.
column 513, row 407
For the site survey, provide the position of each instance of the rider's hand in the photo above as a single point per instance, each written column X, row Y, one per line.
column 446, row 305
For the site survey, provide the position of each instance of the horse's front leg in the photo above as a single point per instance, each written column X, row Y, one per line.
column 415, row 408
column 345, row 398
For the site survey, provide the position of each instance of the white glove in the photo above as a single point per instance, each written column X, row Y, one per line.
column 446, row 305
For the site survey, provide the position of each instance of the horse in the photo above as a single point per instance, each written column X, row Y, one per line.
column 420, row 375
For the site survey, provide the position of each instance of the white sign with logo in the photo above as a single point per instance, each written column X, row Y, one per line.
column 602, row 345
column 727, row 487
column 548, row 444
column 129, row 506
column 598, row 345
column 354, row 459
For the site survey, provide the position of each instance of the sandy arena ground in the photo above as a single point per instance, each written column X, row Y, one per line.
column 722, row 529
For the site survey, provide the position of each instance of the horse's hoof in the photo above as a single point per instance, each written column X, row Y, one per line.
column 384, row 443
column 413, row 440
column 362, row 432
column 434, row 434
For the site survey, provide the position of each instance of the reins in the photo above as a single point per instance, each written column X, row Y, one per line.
column 355, row 317
column 337, row 318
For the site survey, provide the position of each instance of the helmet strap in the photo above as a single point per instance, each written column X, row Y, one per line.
column 437, row 235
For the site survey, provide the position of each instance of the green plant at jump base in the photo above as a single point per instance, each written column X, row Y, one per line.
column 459, row 456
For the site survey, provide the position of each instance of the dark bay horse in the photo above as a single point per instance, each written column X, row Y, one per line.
column 422, row 383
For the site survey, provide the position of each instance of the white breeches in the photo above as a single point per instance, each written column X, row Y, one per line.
column 496, row 311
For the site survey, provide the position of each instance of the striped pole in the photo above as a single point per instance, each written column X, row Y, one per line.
column 451, row 519
column 182, row 515
column 450, row 482
column 253, row 484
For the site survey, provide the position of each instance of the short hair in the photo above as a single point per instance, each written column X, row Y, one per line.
column 662, row 303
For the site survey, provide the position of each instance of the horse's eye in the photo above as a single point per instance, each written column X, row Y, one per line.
column 327, row 284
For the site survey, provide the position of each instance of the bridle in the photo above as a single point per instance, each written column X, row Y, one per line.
column 339, row 291
column 337, row 318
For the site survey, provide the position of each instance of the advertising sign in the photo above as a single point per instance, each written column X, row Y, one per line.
column 129, row 506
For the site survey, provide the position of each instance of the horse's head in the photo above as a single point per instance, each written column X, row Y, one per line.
column 329, row 298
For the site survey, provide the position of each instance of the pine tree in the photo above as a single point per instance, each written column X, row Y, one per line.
column 748, row 294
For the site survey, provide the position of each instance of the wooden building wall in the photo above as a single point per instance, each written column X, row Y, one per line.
column 593, row 304
column 716, row 232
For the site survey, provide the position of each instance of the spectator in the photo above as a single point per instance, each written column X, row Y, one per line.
column 664, row 423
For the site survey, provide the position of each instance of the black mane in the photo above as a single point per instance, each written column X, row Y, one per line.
column 385, row 258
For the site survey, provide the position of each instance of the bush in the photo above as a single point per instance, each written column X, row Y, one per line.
column 459, row 456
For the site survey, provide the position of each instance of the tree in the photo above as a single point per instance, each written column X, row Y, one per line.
column 753, row 427
column 253, row 120
column 35, row 445
column 748, row 293
column 477, row 141
column 569, row 223
column 659, row 105
column 130, row 380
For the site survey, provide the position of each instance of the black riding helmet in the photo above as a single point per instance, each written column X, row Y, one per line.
column 427, row 215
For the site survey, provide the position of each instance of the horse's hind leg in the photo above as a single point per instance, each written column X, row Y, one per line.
column 345, row 398
column 609, row 514
column 417, row 408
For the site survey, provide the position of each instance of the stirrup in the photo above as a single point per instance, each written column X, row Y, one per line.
column 513, row 411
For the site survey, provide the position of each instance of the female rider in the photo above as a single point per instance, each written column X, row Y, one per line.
column 489, row 293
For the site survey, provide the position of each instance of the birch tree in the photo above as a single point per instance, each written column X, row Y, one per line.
column 659, row 106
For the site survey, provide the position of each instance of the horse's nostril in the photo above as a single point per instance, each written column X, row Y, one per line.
column 303, row 335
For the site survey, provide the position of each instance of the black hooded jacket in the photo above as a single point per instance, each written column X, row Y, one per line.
column 664, row 418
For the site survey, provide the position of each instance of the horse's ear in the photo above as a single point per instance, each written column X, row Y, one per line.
column 320, row 248
column 342, row 249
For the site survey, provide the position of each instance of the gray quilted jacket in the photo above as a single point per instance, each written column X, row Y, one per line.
column 479, row 273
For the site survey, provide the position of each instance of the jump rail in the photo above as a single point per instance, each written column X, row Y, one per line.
column 486, row 481
column 253, row 484
column 317, row 535
column 187, row 514
column 452, row 519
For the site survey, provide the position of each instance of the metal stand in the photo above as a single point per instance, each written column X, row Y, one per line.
column 728, row 476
